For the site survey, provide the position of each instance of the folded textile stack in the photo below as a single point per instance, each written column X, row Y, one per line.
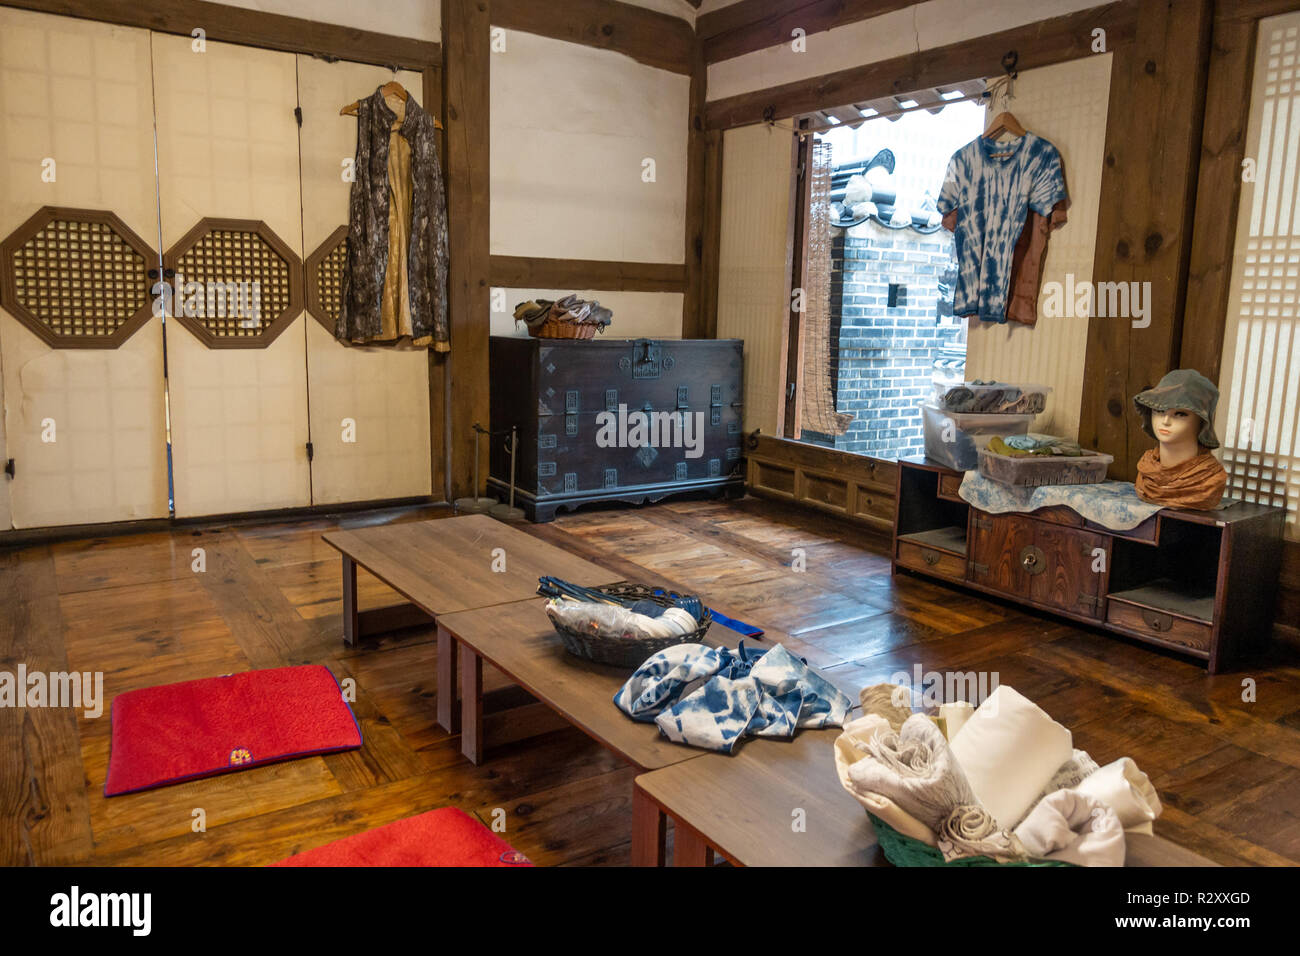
column 1006, row 786
column 1028, row 445
column 713, row 698
column 566, row 318
column 994, row 398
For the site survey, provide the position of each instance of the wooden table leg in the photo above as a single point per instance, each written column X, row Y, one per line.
column 448, row 715
column 351, row 620
column 648, row 828
column 471, row 705
column 689, row 848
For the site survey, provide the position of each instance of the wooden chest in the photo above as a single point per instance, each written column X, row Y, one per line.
column 615, row 419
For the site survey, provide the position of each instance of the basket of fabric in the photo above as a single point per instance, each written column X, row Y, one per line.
column 997, row 785
column 622, row 624
column 904, row 851
column 566, row 318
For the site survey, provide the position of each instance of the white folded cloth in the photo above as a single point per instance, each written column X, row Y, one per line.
column 915, row 768
column 1124, row 788
column 850, row 747
column 954, row 716
column 1074, row 828
column 1009, row 750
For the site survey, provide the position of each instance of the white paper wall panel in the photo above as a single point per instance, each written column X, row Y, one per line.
column 924, row 26
column 228, row 147
column 571, row 126
column 752, row 272
column 650, row 315
column 1066, row 104
column 79, row 93
column 1259, row 381
column 386, row 394
column 385, row 391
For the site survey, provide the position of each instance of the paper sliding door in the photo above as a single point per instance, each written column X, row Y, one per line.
column 231, row 224
column 369, row 406
column 81, row 357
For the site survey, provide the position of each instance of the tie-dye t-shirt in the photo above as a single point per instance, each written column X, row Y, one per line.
column 992, row 196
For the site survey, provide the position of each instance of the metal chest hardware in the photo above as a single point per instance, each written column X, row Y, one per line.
column 646, row 359
column 570, row 482
column 1157, row 621
column 982, row 524
column 930, row 557
column 1033, row 560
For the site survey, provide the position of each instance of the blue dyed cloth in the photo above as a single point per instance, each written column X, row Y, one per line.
column 992, row 196
column 713, row 698
column 1111, row 504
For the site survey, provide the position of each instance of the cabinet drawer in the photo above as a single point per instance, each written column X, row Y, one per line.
column 931, row 559
column 1158, row 625
column 948, row 485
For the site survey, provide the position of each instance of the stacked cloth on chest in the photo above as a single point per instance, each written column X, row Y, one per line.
column 713, row 698
column 1007, row 785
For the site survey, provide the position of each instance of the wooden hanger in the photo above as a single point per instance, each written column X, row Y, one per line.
column 391, row 88
column 1004, row 122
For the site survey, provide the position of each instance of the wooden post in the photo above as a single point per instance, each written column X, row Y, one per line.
column 466, row 29
column 1144, row 224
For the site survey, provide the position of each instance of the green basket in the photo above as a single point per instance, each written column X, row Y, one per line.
column 904, row 851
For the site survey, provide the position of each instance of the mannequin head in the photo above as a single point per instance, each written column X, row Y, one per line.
column 1177, row 430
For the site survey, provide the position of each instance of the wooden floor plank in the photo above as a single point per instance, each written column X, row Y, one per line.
column 1226, row 758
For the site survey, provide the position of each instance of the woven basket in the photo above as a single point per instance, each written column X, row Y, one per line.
column 554, row 328
column 904, row 851
column 628, row 651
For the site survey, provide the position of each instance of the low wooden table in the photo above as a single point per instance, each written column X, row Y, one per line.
column 444, row 566
column 744, row 806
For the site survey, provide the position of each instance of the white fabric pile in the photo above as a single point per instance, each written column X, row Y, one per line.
column 1007, row 783
column 613, row 621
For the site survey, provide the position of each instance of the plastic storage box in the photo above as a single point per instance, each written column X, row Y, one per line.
column 995, row 396
column 954, row 439
column 1034, row 470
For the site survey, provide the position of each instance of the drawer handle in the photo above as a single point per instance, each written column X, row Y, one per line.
column 1157, row 621
column 1033, row 560
column 930, row 557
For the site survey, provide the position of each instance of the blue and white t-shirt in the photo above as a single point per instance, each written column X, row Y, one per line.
column 992, row 187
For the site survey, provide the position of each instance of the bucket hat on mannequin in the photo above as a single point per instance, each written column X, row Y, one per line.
column 1182, row 388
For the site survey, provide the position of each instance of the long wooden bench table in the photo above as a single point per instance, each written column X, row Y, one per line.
column 780, row 803
column 444, row 566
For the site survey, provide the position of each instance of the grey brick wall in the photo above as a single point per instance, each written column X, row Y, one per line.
column 882, row 357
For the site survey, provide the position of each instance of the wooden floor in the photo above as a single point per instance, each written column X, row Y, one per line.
column 132, row 607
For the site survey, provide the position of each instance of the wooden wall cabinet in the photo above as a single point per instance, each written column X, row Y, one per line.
column 1200, row 583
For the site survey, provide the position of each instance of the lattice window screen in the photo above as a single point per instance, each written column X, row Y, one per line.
column 325, row 269
column 77, row 277
column 1260, row 376
column 237, row 283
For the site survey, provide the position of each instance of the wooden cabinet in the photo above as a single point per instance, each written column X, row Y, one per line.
column 1054, row 565
column 615, row 419
column 1201, row 583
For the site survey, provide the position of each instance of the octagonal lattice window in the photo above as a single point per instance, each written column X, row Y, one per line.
column 235, row 284
column 78, row 278
column 325, row 268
